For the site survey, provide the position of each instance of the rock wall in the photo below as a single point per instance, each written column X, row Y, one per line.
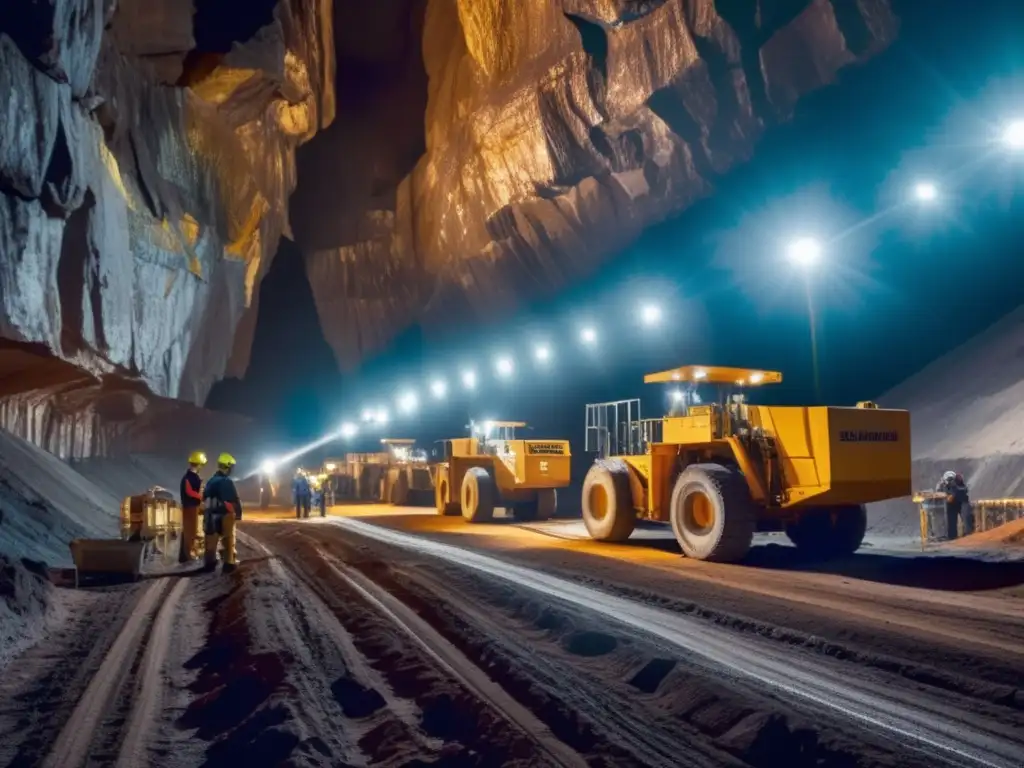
column 145, row 180
column 553, row 133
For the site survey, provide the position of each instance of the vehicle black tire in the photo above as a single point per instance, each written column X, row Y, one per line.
column 608, row 510
column 712, row 514
column 400, row 490
column 830, row 531
column 541, row 508
column 440, row 494
column 478, row 495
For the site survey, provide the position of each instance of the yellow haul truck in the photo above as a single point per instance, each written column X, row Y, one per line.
column 720, row 471
column 494, row 469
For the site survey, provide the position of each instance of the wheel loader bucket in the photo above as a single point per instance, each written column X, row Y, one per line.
column 106, row 560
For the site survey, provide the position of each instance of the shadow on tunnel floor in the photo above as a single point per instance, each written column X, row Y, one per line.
column 946, row 573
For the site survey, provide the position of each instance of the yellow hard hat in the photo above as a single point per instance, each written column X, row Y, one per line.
column 197, row 457
column 226, row 460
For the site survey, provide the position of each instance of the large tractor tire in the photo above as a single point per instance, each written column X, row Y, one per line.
column 478, row 496
column 541, row 508
column 830, row 531
column 608, row 510
column 441, row 494
column 712, row 514
column 400, row 490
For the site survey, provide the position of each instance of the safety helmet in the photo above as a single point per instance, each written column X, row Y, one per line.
column 948, row 475
column 197, row 457
column 226, row 460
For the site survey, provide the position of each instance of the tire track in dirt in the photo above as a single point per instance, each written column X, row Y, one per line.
column 449, row 658
column 72, row 745
column 910, row 718
column 148, row 700
column 421, row 711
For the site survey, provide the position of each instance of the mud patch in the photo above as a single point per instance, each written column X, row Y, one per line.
column 589, row 644
column 654, row 671
column 356, row 700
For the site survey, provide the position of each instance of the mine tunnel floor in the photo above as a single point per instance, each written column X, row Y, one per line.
column 390, row 636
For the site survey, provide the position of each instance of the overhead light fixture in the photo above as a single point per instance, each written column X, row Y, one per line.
column 804, row 252
column 438, row 388
column 504, row 367
column 926, row 192
column 542, row 352
column 349, row 430
column 469, row 379
column 588, row 335
column 650, row 314
column 1013, row 135
column 407, row 402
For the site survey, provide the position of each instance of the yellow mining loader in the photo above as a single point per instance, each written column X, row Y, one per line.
column 492, row 468
column 407, row 479
column 721, row 470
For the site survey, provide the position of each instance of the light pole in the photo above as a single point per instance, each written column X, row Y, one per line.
column 805, row 253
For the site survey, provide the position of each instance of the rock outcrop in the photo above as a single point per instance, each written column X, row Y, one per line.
column 553, row 133
column 146, row 160
column 486, row 150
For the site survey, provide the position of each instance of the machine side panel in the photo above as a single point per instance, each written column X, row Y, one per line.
column 803, row 448
column 870, row 454
column 688, row 430
column 639, row 482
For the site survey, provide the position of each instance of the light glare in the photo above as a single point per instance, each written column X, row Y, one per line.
column 542, row 352
column 469, row 379
column 382, row 416
column 926, row 192
column 1013, row 136
column 588, row 335
column 349, row 430
column 804, row 251
column 438, row 388
column 268, row 466
column 407, row 402
column 650, row 314
column 504, row 366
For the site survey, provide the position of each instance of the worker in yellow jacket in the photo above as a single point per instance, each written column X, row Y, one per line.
column 223, row 509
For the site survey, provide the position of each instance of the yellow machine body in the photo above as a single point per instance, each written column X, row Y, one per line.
column 519, row 467
column 791, row 457
column 824, row 456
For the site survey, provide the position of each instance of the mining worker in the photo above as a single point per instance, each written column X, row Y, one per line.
column 955, row 489
column 223, row 510
column 191, row 501
column 320, row 497
column 301, row 494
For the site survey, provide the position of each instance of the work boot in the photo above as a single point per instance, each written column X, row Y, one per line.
column 209, row 567
column 229, row 568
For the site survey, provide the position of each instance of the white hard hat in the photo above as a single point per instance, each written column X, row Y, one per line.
column 948, row 475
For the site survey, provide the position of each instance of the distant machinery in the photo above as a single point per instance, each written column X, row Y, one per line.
column 492, row 468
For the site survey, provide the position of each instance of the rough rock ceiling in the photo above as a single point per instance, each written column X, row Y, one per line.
column 483, row 150
column 146, row 160
column 498, row 149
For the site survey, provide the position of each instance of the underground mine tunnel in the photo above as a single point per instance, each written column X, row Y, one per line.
column 386, row 267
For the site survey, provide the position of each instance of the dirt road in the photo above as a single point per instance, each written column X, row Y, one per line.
column 407, row 639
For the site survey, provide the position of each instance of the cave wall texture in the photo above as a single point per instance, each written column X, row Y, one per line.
column 508, row 147
column 147, row 154
column 482, row 151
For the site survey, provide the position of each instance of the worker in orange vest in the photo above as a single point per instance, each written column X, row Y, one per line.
column 191, row 501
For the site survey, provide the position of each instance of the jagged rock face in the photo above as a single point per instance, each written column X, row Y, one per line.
column 555, row 131
column 146, row 160
column 145, row 179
